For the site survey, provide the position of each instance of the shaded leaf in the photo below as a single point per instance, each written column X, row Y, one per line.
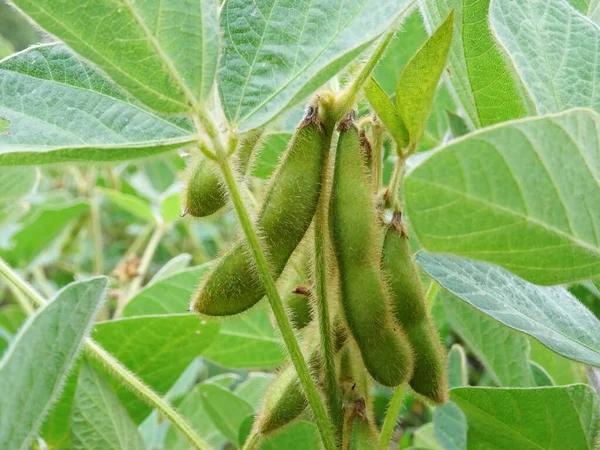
column 520, row 195
column 562, row 370
column 16, row 182
column 61, row 109
column 301, row 435
column 99, row 421
column 33, row 371
column 550, row 314
column 287, row 51
column 173, row 266
column 386, row 111
column 164, row 53
column 130, row 203
column 508, row 418
column 487, row 87
column 541, row 377
column 419, row 80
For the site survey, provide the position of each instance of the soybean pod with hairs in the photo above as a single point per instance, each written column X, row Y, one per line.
column 410, row 311
column 285, row 215
column 204, row 192
column 365, row 300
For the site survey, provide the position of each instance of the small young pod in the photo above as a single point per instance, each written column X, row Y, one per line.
column 408, row 300
column 384, row 348
column 290, row 203
column 297, row 302
column 363, row 435
column 204, row 192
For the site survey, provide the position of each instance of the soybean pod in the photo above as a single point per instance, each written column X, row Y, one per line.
column 290, row 203
column 365, row 301
column 204, row 193
column 408, row 301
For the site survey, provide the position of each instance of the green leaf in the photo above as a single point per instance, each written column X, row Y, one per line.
column 550, row 314
column 419, row 80
column 521, row 195
column 268, row 158
column 486, row 86
column 61, row 109
column 458, row 126
column 163, row 52
column 173, row 266
column 130, row 203
column 248, row 341
column 530, row 419
column 301, row 435
column 170, row 207
column 169, row 295
column 503, row 352
column 16, row 182
column 99, row 421
column 287, row 51
column 386, row 111
column 11, row 318
column 450, row 427
column 541, row 377
column 425, row 438
column 39, row 230
column 253, row 388
column 156, row 348
column 554, row 49
column 6, row 49
column 561, row 370
column 226, row 410
column 35, row 368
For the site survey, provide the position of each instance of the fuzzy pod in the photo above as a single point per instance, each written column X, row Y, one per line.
column 384, row 348
column 408, row 304
column 363, row 435
column 297, row 303
column 289, row 205
column 204, row 192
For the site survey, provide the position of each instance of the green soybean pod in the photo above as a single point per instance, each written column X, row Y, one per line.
column 408, row 303
column 384, row 348
column 363, row 435
column 204, row 193
column 297, row 303
column 287, row 211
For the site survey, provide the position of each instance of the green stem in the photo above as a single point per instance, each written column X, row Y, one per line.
column 377, row 148
column 114, row 366
column 23, row 301
column 251, row 442
column 306, row 381
column 40, row 278
column 320, row 268
column 431, row 294
column 350, row 94
column 96, row 230
column 390, row 418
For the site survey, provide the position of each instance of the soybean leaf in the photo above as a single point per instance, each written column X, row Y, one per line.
column 458, row 126
column 56, row 430
column 253, row 388
column 487, row 87
column 156, row 348
column 554, row 49
column 16, row 182
column 170, row 206
column 61, row 109
column 502, row 351
column 302, row 435
column 35, row 368
column 226, row 410
column 419, row 80
column 268, row 158
column 562, row 370
column 169, row 295
column 287, row 51
column 6, row 49
column 541, row 377
column 248, row 340
column 528, row 419
column 549, row 314
column 173, row 266
column 386, row 111
column 11, row 318
column 457, row 367
column 39, row 229
column 521, row 195
column 130, row 203
column 164, row 53
column 594, row 11
column 99, row 420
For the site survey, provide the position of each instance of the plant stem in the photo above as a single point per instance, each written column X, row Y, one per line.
column 306, row 381
column 431, row 294
column 377, row 148
column 251, row 442
column 351, row 92
column 96, row 230
column 117, row 369
column 320, row 268
column 135, row 284
column 40, row 278
column 390, row 418
column 22, row 300
column 113, row 365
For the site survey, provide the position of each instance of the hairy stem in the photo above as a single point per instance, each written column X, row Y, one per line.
column 320, row 268
column 113, row 365
column 431, row 294
column 391, row 417
column 251, row 442
column 306, row 381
